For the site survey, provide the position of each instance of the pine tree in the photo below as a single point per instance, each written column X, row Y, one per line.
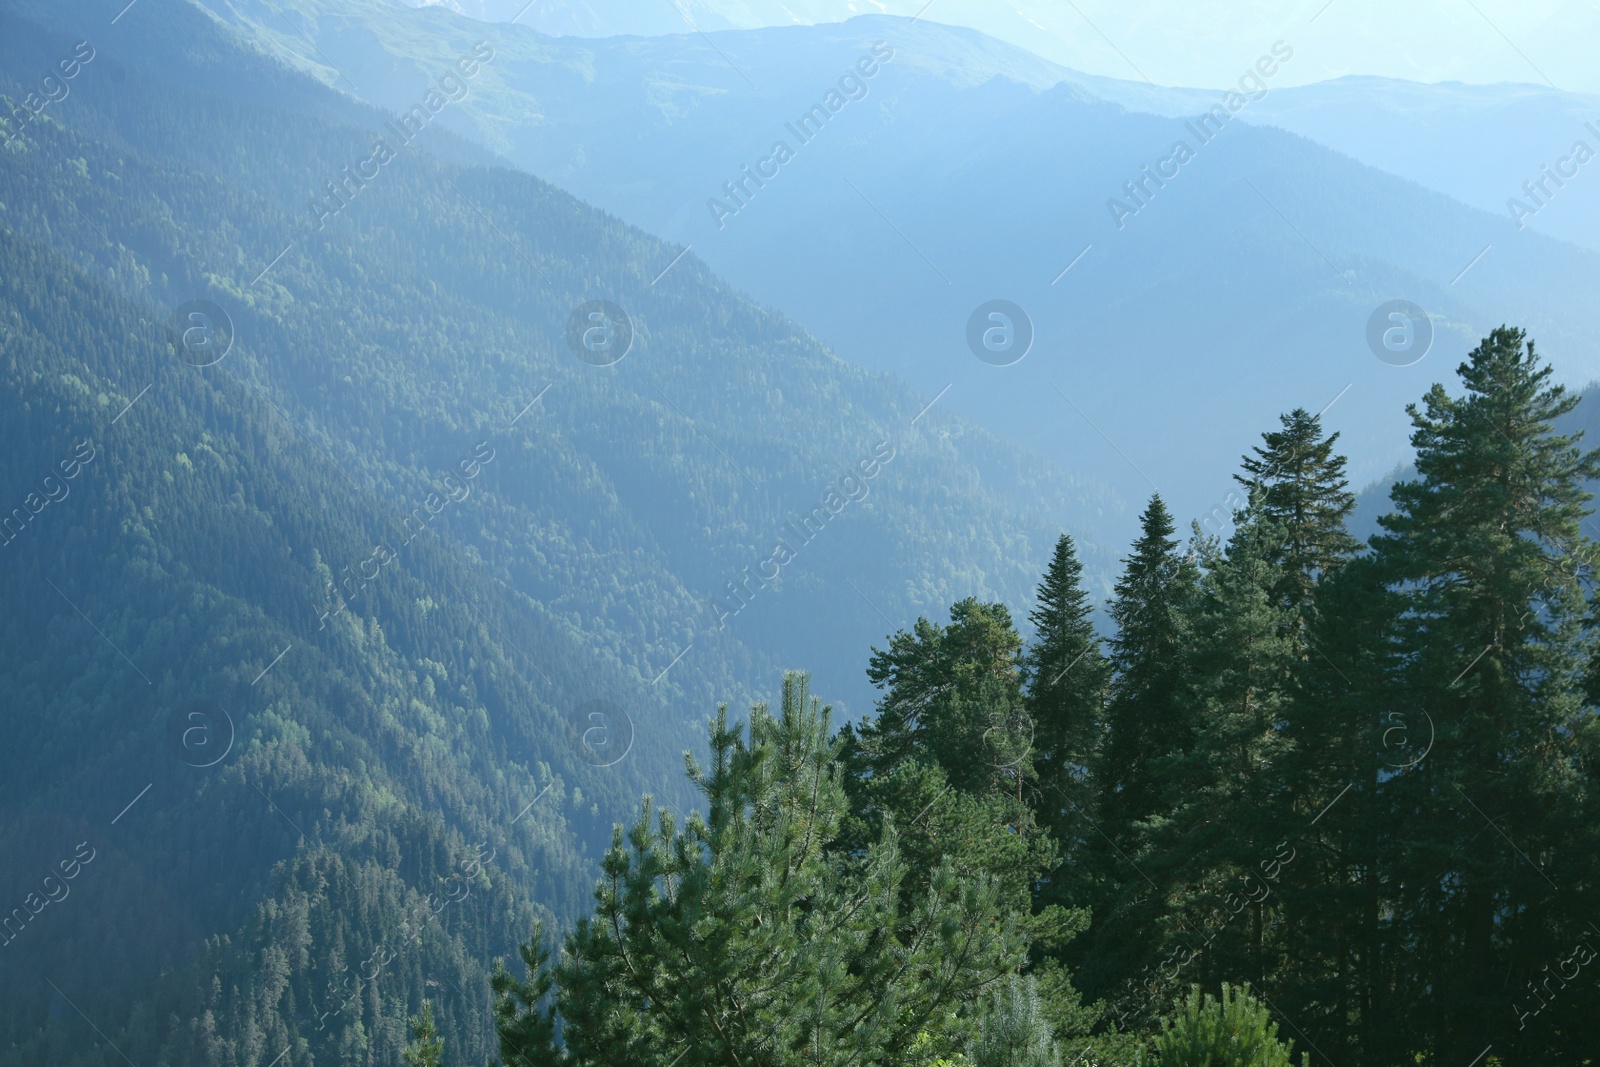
column 952, row 696
column 1481, row 551
column 1236, row 1031
column 1015, row 1032
column 1067, row 676
column 744, row 937
column 426, row 1048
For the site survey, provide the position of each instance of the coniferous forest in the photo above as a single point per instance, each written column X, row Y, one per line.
column 1307, row 794
column 389, row 677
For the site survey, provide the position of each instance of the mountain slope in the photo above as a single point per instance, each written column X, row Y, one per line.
column 398, row 541
column 964, row 170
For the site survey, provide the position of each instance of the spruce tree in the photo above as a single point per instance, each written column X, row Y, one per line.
column 1297, row 483
column 1210, row 849
column 526, row 1031
column 1481, row 551
column 1351, row 730
column 1145, row 718
column 1067, row 676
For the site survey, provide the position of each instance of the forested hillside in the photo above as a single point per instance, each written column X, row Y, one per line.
column 1348, row 787
column 1210, row 287
column 381, row 526
column 393, row 602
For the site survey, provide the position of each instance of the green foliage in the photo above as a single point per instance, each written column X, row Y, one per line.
column 1414, row 725
column 425, row 1050
column 742, row 937
column 525, row 1029
column 1067, row 680
column 952, row 696
column 1236, row 1031
column 1146, row 718
column 1488, row 562
column 1297, row 484
column 1015, row 1031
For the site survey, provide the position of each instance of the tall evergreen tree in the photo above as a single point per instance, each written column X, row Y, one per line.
column 1297, row 483
column 1208, row 850
column 1480, row 548
column 1351, row 730
column 1145, row 718
column 1067, row 676
column 1145, row 711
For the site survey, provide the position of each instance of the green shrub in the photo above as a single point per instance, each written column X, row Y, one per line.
column 1237, row 1031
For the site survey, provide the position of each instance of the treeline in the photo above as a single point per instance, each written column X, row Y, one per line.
column 1355, row 777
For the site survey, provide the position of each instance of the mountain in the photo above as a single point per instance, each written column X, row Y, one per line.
column 964, row 170
column 1160, row 43
column 1436, row 136
column 354, row 587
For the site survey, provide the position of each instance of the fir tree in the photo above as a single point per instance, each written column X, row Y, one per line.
column 1348, row 729
column 1297, row 483
column 1207, row 850
column 526, row 1031
column 1145, row 718
column 1067, row 680
column 1145, row 708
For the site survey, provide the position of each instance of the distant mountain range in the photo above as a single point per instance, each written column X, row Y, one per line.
column 1162, row 42
column 966, row 170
